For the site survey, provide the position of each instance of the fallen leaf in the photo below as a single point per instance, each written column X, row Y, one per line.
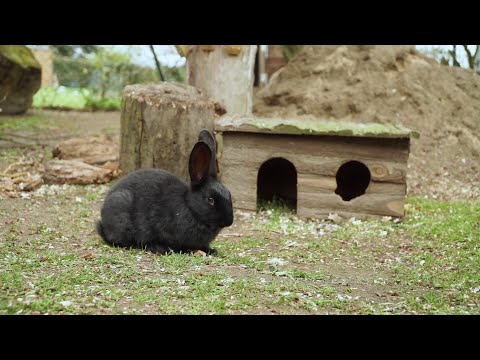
column 87, row 255
column 199, row 253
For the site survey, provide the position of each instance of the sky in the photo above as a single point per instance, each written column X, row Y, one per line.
column 168, row 55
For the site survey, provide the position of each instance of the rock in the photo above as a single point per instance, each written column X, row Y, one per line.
column 20, row 78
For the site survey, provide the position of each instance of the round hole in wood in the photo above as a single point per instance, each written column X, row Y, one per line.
column 353, row 178
column 277, row 182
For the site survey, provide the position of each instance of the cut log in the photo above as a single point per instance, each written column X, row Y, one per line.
column 160, row 124
column 95, row 150
column 225, row 73
column 75, row 172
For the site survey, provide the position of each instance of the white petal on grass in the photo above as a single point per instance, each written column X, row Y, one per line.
column 66, row 303
column 276, row 261
column 291, row 243
column 354, row 221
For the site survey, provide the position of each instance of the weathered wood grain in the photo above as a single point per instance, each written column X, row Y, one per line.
column 317, row 160
column 160, row 124
column 224, row 77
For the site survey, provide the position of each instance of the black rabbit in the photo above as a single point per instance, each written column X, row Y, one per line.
column 154, row 210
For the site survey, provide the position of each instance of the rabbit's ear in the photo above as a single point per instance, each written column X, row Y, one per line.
column 199, row 164
column 207, row 137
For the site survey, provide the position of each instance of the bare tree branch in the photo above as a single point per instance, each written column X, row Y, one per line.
column 470, row 57
column 453, row 55
column 477, row 48
column 157, row 63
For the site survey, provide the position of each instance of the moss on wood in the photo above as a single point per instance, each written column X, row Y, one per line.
column 311, row 127
column 20, row 55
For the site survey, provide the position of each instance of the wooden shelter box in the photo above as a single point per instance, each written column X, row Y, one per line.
column 317, row 167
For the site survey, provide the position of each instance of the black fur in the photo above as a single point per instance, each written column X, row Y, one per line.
column 154, row 210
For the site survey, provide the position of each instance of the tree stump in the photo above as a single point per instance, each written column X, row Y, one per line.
column 160, row 124
column 225, row 73
column 20, row 78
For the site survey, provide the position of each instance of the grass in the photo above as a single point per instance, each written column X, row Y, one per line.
column 444, row 258
column 62, row 97
column 53, row 262
column 72, row 98
column 22, row 123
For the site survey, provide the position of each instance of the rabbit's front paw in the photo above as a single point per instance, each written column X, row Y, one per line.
column 157, row 249
column 210, row 251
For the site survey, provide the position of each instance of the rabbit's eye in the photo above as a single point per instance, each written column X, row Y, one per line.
column 211, row 201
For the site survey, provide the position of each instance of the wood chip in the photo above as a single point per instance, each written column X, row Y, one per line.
column 199, row 253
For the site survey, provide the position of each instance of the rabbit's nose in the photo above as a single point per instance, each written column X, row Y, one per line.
column 228, row 220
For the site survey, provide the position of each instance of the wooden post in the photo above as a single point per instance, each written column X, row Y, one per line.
column 275, row 60
column 226, row 74
column 160, row 124
column 263, row 78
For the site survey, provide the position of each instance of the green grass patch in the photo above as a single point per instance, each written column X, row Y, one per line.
column 74, row 98
column 29, row 122
column 52, row 261
column 62, row 97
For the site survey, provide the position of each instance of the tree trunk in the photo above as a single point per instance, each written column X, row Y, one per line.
column 160, row 124
column 477, row 60
column 226, row 74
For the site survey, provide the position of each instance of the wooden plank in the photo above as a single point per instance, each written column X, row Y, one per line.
column 254, row 157
column 245, row 205
column 310, row 126
column 325, row 184
column 376, row 204
column 242, row 183
column 392, row 150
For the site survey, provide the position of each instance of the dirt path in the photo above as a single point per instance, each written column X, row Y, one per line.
column 44, row 129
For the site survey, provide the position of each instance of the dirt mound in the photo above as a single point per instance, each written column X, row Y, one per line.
column 394, row 85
